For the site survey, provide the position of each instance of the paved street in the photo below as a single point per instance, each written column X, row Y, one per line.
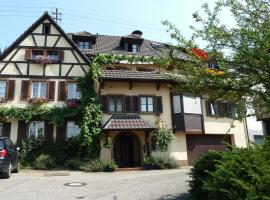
column 38, row 185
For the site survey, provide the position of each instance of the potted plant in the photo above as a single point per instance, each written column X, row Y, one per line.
column 73, row 103
column 37, row 101
column 42, row 59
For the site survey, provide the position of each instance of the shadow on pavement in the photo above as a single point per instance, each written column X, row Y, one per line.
column 183, row 196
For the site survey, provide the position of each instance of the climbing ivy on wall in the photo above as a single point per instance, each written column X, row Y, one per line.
column 88, row 114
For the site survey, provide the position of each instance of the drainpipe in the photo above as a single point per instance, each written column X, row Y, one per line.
column 246, row 131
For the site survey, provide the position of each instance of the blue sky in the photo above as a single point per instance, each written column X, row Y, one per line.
column 113, row 17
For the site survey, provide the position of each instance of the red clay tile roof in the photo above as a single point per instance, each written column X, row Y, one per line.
column 127, row 122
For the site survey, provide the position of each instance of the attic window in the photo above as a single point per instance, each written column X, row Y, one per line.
column 134, row 48
column 46, row 29
column 84, row 45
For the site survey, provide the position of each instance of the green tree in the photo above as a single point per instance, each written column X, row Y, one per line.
column 241, row 48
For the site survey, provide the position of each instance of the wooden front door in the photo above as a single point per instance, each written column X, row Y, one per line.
column 198, row 145
column 126, row 151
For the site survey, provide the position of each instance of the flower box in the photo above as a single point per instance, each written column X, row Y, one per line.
column 42, row 59
column 37, row 101
column 73, row 103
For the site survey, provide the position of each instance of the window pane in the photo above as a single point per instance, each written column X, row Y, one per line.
column 35, row 89
column 2, row 88
column 143, row 100
column 71, row 90
column 176, row 104
column 53, row 55
column 43, row 89
column 72, row 129
column 143, row 108
column 111, row 105
column 150, row 108
column 36, row 129
column 150, row 100
column 119, row 104
column 192, row 104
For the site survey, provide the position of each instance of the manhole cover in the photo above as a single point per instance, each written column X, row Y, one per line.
column 75, row 184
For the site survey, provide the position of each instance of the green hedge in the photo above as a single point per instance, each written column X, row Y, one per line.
column 236, row 174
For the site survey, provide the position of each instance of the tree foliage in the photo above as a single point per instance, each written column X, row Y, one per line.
column 242, row 49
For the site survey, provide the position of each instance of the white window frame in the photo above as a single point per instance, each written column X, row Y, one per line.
column 36, row 133
column 73, row 93
column 147, row 104
column 3, row 86
column 39, row 92
column 114, row 102
column 75, row 129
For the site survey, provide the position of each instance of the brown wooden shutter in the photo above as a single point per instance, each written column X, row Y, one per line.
column 27, row 54
column 48, row 133
column 61, row 133
column 104, row 103
column 61, row 55
column 6, row 129
column 10, row 89
column 135, row 104
column 25, row 90
column 22, row 130
column 127, row 103
column 159, row 106
column 51, row 90
column 62, row 91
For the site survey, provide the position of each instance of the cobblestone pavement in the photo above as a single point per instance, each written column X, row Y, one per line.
column 52, row 185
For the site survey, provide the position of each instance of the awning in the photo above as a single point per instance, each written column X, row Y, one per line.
column 127, row 122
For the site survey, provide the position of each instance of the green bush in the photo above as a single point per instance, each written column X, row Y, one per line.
column 161, row 139
column 44, row 162
column 73, row 163
column 239, row 174
column 200, row 173
column 109, row 166
column 160, row 160
column 94, row 166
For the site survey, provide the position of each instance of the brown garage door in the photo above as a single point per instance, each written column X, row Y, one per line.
column 197, row 145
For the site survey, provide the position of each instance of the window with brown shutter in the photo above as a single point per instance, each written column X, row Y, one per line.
column 51, row 90
column 25, row 90
column 48, row 134
column 159, row 106
column 104, row 103
column 22, row 130
column 128, row 104
column 10, row 90
column 28, row 54
column 135, row 104
column 61, row 55
column 62, row 91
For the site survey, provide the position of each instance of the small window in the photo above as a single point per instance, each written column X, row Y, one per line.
column 213, row 64
column 36, row 54
column 72, row 129
column 53, row 55
column 46, row 29
column 133, row 48
column 147, row 104
column 258, row 139
column 192, row 104
column 39, row 89
column 73, row 92
column 36, row 129
column 3, row 87
column 115, row 104
column 84, row 45
column 177, row 104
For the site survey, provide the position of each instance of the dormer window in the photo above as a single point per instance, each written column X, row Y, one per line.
column 134, row 48
column 84, row 45
column 46, row 29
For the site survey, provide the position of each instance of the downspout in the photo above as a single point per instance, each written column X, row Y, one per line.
column 247, row 133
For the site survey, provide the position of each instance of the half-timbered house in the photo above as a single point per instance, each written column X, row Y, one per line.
column 40, row 65
column 136, row 98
